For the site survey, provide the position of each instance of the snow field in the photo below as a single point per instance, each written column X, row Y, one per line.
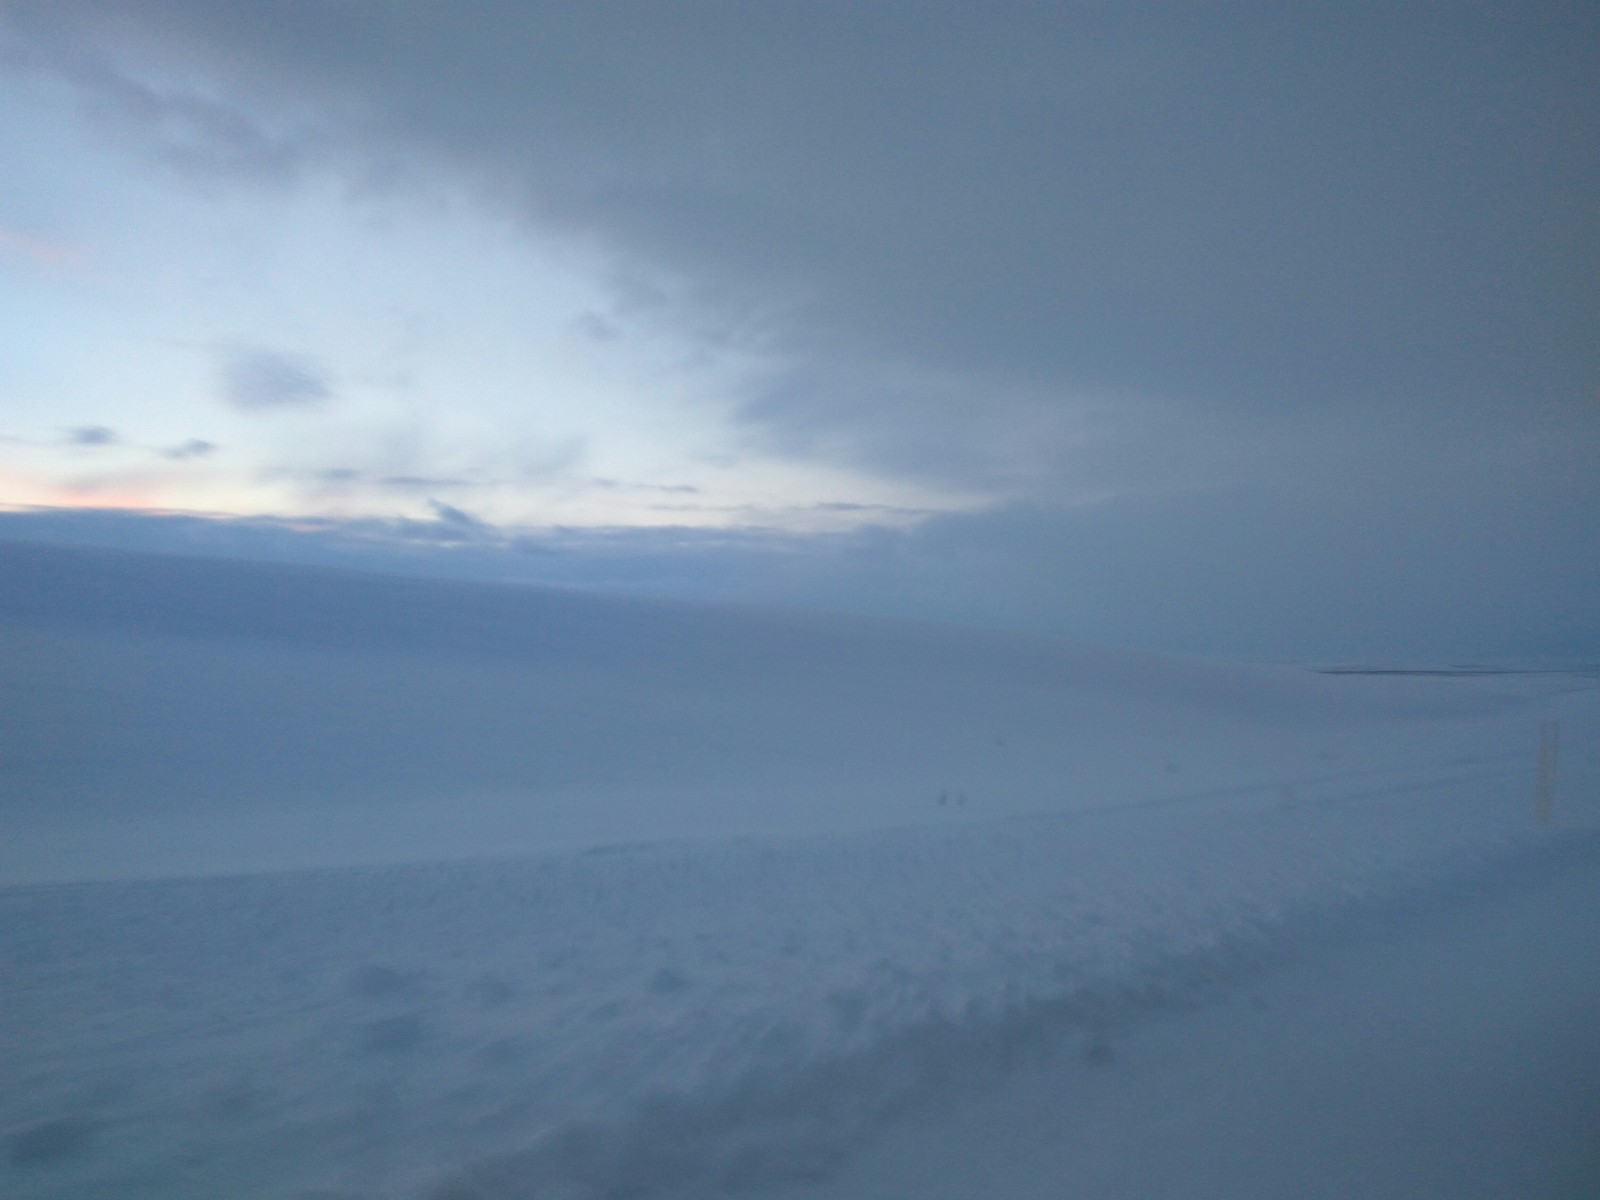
column 689, row 1019
column 327, row 887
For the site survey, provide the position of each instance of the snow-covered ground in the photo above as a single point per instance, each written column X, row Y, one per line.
column 1442, row 1048
column 324, row 886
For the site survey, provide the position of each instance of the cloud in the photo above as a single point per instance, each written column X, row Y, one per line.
column 193, row 448
column 190, row 130
column 953, row 224
column 423, row 483
column 92, row 435
column 612, row 485
column 255, row 379
column 459, row 523
column 1226, row 312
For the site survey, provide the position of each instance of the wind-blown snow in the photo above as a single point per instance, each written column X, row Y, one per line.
column 713, row 899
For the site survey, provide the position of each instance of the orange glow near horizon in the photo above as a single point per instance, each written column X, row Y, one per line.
column 119, row 492
column 205, row 490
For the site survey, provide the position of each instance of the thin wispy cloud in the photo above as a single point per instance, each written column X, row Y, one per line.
column 191, row 131
column 193, row 448
column 256, row 379
column 424, row 483
column 92, row 435
column 682, row 489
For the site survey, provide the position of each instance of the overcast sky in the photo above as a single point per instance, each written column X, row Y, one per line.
column 1228, row 328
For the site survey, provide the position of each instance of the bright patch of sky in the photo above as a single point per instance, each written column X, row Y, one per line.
column 323, row 347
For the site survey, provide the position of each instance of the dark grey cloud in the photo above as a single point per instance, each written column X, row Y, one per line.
column 1138, row 268
column 955, row 215
column 1239, row 574
column 256, row 379
column 92, row 435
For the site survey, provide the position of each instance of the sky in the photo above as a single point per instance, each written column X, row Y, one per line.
column 1214, row 328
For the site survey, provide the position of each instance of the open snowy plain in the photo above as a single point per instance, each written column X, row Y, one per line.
column 331, row 886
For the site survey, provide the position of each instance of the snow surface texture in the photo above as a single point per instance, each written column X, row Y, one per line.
column 670, row 1021
column 879, row 866
column 1444, row 1047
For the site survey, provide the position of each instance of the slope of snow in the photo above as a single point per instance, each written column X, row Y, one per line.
column 167, row 717
column 678, row 1020
column 587, row 899
column 1445, row 1048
